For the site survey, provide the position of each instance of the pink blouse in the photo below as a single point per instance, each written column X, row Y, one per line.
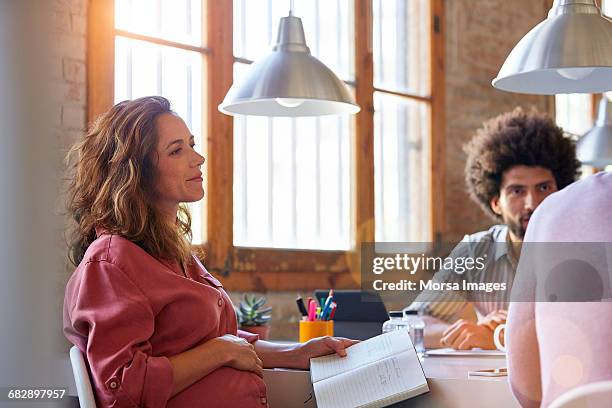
column 128, row 312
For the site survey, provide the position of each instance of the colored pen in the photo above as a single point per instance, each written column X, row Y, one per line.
column 326, row 305
column 326, row 310
column 311, row 310
column 329, row 310
column 328, row 302
column 301, row 307
column 334, row 306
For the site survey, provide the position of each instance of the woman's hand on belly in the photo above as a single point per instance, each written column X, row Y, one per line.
column 240, row 354
column 200, row 361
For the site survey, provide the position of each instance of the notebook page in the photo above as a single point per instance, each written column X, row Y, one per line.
column 360, row 354
column 379, row 384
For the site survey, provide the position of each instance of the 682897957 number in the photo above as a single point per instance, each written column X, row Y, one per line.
column 32, row 393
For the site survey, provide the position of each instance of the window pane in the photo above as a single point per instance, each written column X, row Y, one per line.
column 574, row 112
column 174, row 20
column 401, row 46
column 143, row 69
column 328, row 26
column 401, row 169
column 291, row 181
column 606, row 7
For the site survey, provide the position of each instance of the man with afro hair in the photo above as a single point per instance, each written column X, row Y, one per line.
column 514, row 161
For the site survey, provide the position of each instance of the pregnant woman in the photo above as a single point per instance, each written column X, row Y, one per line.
column 156, row 328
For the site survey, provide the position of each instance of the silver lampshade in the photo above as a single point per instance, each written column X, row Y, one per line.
column 595, row 147
column 289, row 81
column 569, row 52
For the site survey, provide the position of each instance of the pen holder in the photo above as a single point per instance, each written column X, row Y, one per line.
column 317, row 328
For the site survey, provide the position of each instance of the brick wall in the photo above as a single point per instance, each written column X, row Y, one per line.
column 68, row 76
column 479, row 36
column 68, row 67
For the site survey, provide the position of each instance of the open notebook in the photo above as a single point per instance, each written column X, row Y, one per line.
column 377, row 372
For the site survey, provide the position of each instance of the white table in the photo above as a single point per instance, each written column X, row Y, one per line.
column 447, row 377
column 450, row 385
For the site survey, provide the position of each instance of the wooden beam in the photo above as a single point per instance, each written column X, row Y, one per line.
column 220, row 133
column 262, row 281
column 595, row 99
column 438, row 120
column 289, row 260
column 363, row 142
column 203, row 137
column 100, row 57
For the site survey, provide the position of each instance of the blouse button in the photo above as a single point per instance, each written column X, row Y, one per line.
column 220, row 302
column 113, row 384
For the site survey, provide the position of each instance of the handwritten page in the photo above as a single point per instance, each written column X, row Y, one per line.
column 378, row 384
column 360, row 354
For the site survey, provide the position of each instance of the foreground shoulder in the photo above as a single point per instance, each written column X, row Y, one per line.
column 113, row 249
column 597, row 187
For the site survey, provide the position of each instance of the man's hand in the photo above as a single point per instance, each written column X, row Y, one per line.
column 322, row 346
column 466, row 335
column 494, row 319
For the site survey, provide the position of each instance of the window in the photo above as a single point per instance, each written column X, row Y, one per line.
column 289, row 201
column 158, row 51
column 576, row 113
column 402, row 105
column 287, row 167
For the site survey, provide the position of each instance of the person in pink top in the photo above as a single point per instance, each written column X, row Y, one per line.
column 559, row 332
column 156, row 328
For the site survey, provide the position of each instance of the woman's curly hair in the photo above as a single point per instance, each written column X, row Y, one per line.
column 516, row 138
column 111, row 183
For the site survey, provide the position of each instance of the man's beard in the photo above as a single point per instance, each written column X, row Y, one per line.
column 516, row 227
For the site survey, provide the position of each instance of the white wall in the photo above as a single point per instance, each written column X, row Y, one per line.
column 31, row 249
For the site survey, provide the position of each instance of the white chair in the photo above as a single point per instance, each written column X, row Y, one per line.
column 81, row 378
column 593, row 395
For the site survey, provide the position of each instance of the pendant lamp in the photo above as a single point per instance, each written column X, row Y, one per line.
column 289, row 81
column 595, row 147
column 569, row 52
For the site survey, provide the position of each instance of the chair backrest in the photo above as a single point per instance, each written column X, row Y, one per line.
column 597, row 394
column 81, row 378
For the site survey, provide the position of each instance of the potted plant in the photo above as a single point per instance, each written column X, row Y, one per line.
column 253, row 317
